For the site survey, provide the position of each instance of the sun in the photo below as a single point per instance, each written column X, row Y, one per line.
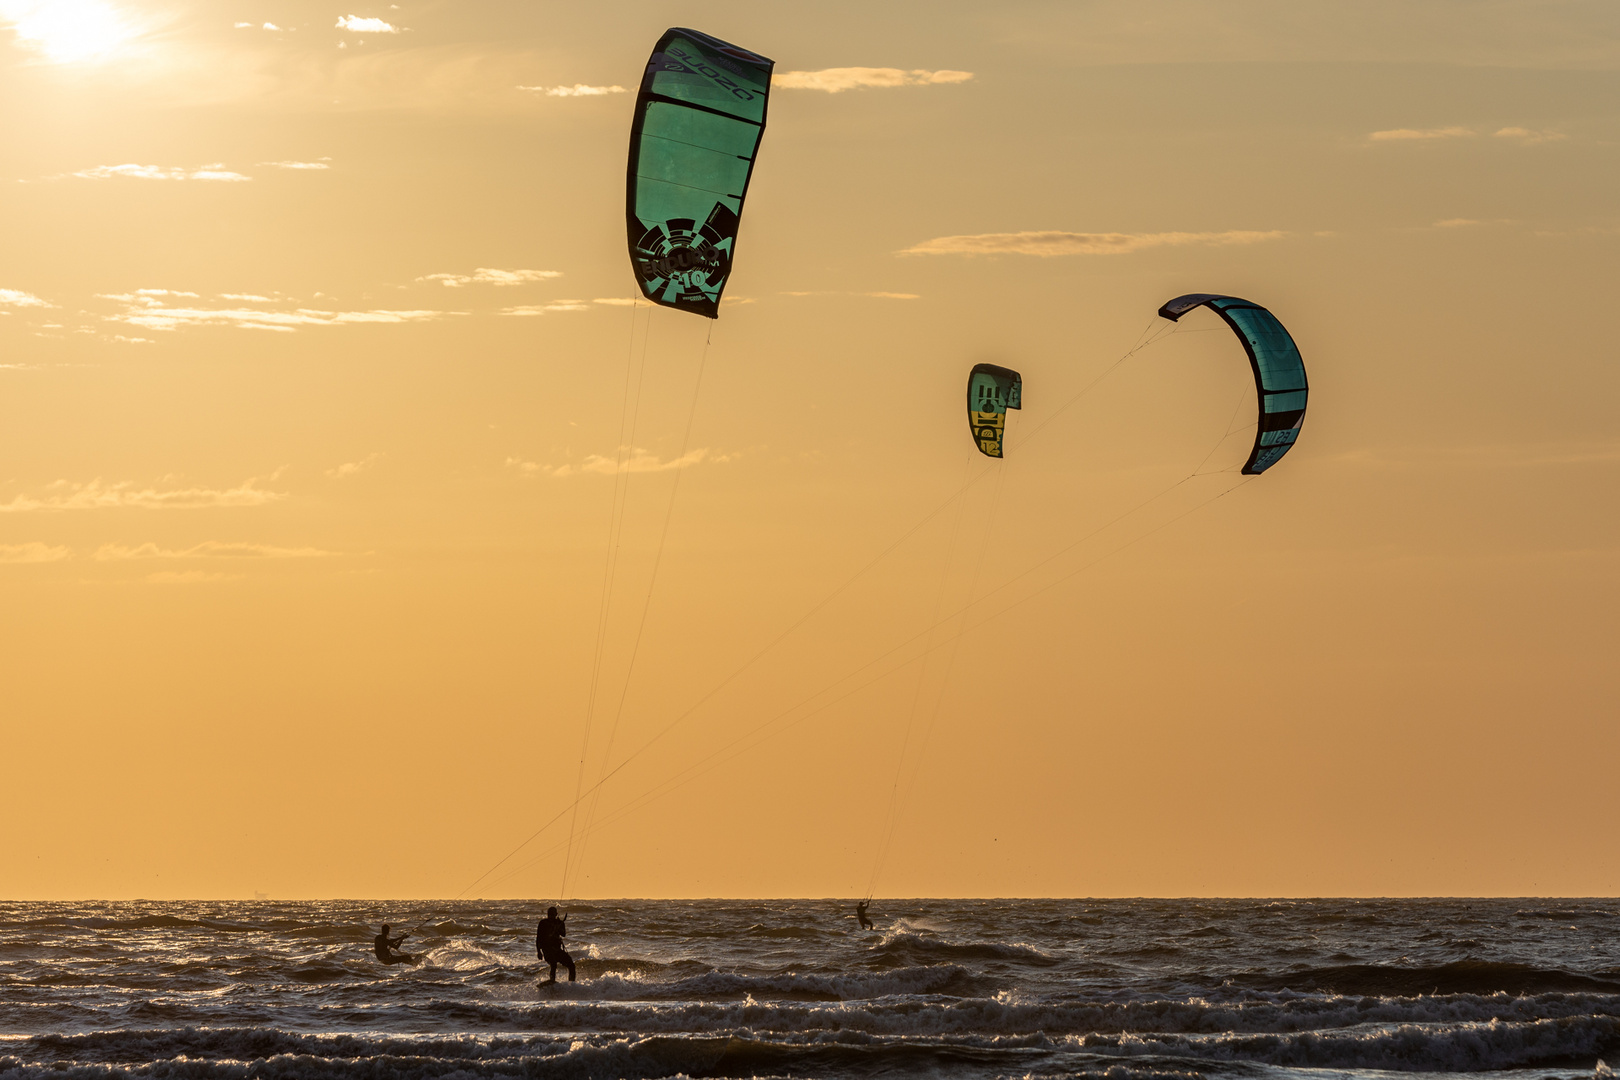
column 65, row 31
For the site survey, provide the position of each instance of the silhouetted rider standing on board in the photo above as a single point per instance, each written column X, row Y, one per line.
column 860, row 913
column 386, row 945
column 548, row 943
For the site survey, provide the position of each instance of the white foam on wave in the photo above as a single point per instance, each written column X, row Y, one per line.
column 920, row 937
column 464, row 956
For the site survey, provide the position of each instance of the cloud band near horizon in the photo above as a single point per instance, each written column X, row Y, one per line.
column 837, row 80
column 1051, row 243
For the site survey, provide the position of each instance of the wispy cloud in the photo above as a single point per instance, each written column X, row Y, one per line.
column 323, row 163
column 146, row 296
column 617, row 301
column 629, row 460
column 1524, row 135
column 96, row 495
column 1456, row 223
column 525, row 310
column 351, row 468
column 187, row 577
column 215, row 172
column 148, row 309
column 359, row 25
column 837, row 80
column 208, row 549
column 251, row 297
column 18, row 298
column 34, row 552
column 1404, row 134
column 485, row 275
column 577, row 90
column 1528, row 136
column 1048, row 243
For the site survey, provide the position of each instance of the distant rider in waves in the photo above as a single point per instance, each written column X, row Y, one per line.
column 548, row 944
column 386, row 945
column 860, row 913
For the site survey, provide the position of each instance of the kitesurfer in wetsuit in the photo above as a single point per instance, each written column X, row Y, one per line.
column 386, row 945
column 860, row 913
column 548, row 943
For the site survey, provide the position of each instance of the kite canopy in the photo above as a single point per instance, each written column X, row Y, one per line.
column 1279, row 371
column 991, row 391
column 700, row 114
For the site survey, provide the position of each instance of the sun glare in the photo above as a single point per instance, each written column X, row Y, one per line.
column 64, row 31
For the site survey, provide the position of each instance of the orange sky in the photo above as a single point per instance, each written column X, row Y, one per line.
column 313, row 354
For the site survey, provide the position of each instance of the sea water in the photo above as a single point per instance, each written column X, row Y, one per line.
column 1118, row 989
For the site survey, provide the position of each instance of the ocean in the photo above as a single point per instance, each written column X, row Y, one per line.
column 1115, row 989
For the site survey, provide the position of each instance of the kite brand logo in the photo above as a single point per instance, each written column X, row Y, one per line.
column 696, row 64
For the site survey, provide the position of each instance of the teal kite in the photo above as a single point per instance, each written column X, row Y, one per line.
column 991, row 391
column 1279, row 371
column 699, row 117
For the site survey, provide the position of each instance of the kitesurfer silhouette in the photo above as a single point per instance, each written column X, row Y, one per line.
column 386, row 945
column 860, row 913
column 548, row 943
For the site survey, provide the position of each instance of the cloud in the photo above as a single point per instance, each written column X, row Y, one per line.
column 186, row 577
column 254, row 297
column 208, row 549
column 617, row 301
column 630, row 460
column 1048, row 243
column 95, row 495
column 305, row 165
column 577, row 90
column 358, row 25
column 1525, row 135
column 486, row 276
column 146, row 309
column 34, row 552
column 1403, row 134
column 18, row 298
column 1456, row 223
column 350, row 468
column 524, row 310
column 1528, row 136
column 216, row 172
column 837, row 80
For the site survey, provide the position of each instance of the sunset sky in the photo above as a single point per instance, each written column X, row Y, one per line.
column 315, row 329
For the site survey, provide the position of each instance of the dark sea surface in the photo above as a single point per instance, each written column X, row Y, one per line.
column 1122, row 989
